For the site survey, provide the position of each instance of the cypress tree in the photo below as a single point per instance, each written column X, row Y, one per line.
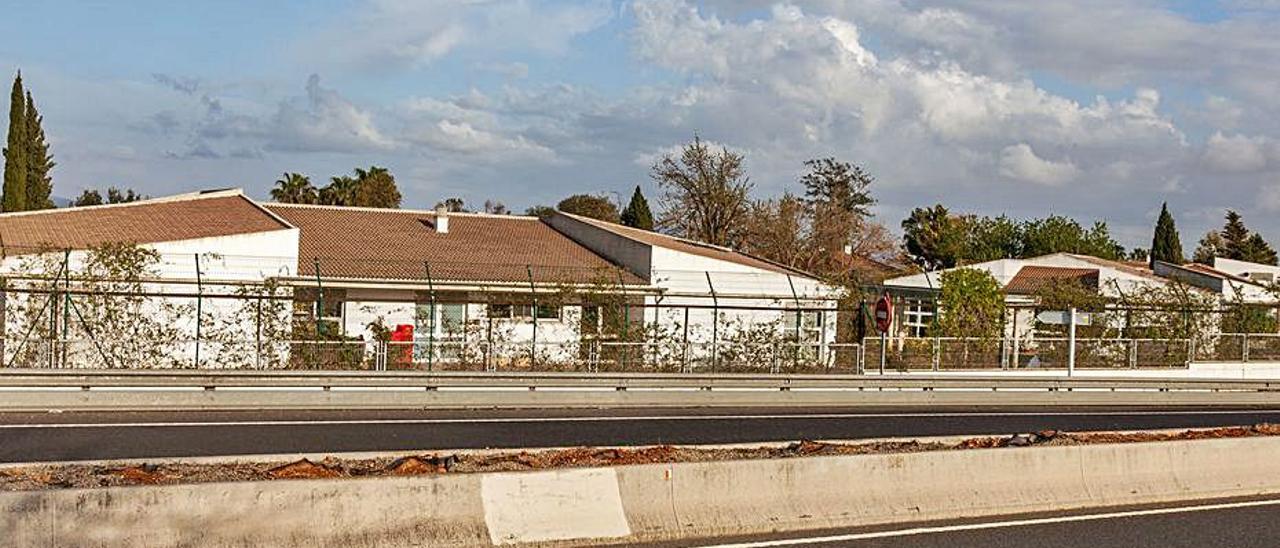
column 39, row 160
column 1235, row 236
column 637, row 213
column 15, row 154
column 1166, row 246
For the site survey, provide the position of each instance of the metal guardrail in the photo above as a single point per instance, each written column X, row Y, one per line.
column 85, row 380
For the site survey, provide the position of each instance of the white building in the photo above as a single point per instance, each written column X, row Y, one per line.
column 48, row 266
column 1021, row 280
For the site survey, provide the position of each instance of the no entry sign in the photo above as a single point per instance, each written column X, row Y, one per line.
column 884, row 313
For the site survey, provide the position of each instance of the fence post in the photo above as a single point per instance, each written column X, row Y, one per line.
column 431, row 318
column 795, row 354
column 1071, row 341
column 66, row 302
column 1244, row 348
column 715, row 323
column 626, row 321
column 1133, row 353
column 533, row 295
column 319, row 308
column 684, row 352
column 937, row 354
column 199, row 308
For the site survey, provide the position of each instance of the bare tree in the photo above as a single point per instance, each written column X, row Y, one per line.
column 704, row 194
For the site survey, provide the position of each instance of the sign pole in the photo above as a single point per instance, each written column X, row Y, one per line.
column 883, row 336
column 1071, row 341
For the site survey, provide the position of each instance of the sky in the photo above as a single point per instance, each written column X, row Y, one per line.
column 1096, row 109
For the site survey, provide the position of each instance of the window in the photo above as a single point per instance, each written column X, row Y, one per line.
column 810, row 325
column 917, row 317
column 523, row 311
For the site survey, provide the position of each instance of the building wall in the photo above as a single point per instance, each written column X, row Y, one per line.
column 228, row 326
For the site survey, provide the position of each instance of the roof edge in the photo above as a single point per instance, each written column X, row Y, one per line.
column 184, row 197
column 433, row 212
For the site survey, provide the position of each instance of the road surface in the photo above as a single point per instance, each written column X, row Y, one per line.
column 33, row 437
column 1201, row 524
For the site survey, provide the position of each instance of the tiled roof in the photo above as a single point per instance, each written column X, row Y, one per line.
column 1032, row 279
column 392, row 244
column 687, row 246
column 183, row 217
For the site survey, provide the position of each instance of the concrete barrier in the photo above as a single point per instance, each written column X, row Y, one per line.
column 631, row 504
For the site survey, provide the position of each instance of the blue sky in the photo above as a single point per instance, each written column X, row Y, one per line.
column 1095, row 109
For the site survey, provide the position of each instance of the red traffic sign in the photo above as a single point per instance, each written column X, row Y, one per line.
column 884, row 313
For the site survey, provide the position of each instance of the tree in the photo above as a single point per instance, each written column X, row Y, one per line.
column 1257, row 250
column 991, row 238
column 294, row 188
column 540, row 211
column 704, row 194
column 39, row 160
column 637, row 214
column 1058, row 234
column 971, row 303
column 494, row 207
column 91, row 197
column 934, row 238
column 16, row 155
column 341, row 191
column 1166, row 246
column 452, row 205
column 778, row 231
column 376, row 187
column 88, row 197
column 840, row 184
column 1210, row 246
column 1138, row 255
column 117, row 196
column 587, row 205
column 1234, row 235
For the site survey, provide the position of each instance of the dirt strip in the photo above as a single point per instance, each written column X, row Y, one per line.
column 66, row 476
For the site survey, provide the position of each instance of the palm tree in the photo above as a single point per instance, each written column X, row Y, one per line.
column 341, row 191
column 294, row 188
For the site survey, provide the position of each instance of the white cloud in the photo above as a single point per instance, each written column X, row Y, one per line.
column 382, row 33
column 1236, row 153
column 325, row 121
column 1021, row 163
column 463, row 138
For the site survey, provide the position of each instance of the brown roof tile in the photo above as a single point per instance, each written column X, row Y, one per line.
column 1032, row 279
column 390, row 244
column 170, row 219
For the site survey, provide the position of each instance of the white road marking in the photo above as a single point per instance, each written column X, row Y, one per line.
column 492, row 420
column 996, row 525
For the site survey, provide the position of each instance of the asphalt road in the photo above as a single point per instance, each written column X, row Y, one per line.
column 37, row 437
column 1243, row 524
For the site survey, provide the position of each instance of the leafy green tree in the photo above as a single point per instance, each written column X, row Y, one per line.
column 1166, row 246
column 540, row 211
column 934, row 239
column 117, row 196
column 1257, row 250
column 991, row 238
column 294, row 188
column 1058, row 234
column 704, row 194
column 637, row 214
column 587, row 205
column 16, row 155
column 1210, row 246
column 88, row 197
column 376, row 187
column 341, row 191
column 1234, row 235
column 39, row 162
column 841, row 184
column 972, row 304
column 494, row 207
column 91, row 197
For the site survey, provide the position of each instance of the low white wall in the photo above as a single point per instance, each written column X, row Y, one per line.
column 646, row 503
